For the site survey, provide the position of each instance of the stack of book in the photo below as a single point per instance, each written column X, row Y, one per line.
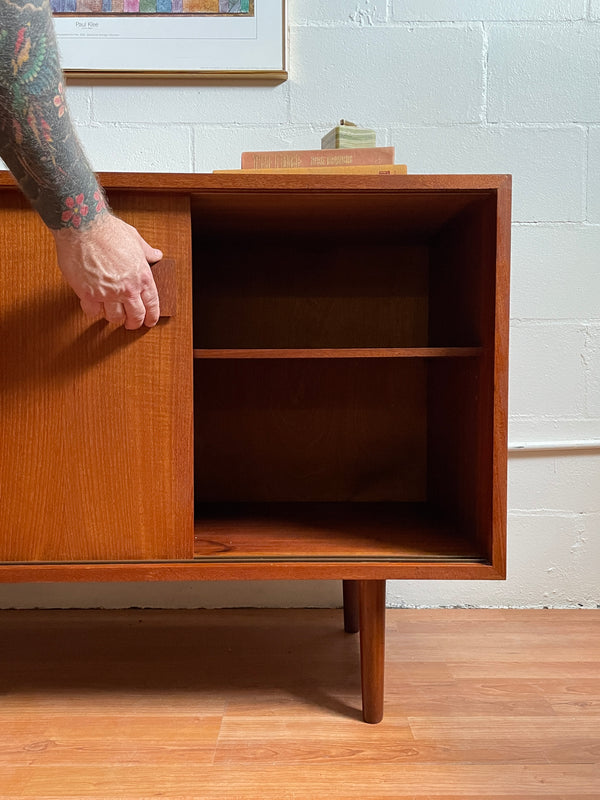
column 357, row 160
column 343, row 150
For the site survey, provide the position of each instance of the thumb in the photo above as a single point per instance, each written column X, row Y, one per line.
column 152, row 254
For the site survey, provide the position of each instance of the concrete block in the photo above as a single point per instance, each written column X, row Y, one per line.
column 221, row 147
column 353, row 12
column 593, row 170
column 543, row 73
column 552, row 561
column 526, row 428
column 547, row 373
column 567, row 482
column 387, row 75
column 513, row 10
column 79, row 103
column 547, row 164
column 226, row 103
column 138, row 149
column 555, row 272
column 591, row 358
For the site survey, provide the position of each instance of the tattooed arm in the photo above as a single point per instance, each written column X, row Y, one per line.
column 104, row 260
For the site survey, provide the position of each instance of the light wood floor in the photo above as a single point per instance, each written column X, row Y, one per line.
column 265, row 705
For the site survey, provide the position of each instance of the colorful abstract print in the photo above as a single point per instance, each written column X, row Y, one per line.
column 152, row 6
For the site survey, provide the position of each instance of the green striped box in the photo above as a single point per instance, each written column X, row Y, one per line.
column 346, row 136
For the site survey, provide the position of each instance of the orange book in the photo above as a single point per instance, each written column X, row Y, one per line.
column 373, row 169
column 293, row 159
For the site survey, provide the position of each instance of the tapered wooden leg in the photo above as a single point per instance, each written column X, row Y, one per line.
column 351, row 612
column 372, row 647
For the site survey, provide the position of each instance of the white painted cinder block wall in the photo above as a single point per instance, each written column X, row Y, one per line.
column 456, row 86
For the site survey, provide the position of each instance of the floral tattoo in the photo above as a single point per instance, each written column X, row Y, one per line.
column 38, row 142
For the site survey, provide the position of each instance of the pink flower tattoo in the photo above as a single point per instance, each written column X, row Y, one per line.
column 59, row 100
column 100, row 201
column 75, row 211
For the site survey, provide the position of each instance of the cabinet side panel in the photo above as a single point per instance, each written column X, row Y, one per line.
column 461, row 395
column 503, row 247
column 95, row 421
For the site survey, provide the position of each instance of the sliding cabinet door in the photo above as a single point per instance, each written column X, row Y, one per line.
column 95, row 421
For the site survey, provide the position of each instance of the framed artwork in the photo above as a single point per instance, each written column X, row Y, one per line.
column 172, row 38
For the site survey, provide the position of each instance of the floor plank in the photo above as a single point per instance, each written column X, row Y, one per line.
column 340, row 781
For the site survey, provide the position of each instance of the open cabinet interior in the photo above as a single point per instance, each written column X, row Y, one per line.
column 343, row 386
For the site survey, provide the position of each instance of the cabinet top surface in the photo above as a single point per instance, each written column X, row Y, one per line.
column 209, row 182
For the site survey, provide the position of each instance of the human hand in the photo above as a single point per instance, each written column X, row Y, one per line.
column 107, row 266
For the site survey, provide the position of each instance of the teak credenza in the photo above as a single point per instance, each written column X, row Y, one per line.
column 325, row 397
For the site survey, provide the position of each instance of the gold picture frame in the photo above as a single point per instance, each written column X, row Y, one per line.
column 197, row 45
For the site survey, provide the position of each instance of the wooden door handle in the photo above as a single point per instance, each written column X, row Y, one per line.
column 165, row 280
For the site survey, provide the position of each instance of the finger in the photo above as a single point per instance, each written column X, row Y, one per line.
column 90, row 307
column 114, row 313
column 135, row 313
column 152, row 306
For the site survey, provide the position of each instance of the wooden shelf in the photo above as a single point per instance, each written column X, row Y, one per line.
column 341, row 352
column 328, row 532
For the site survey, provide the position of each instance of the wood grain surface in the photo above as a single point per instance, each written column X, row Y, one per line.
column 209, row 182
column 270, row 288
column 341, row 352
column 393, row 531
column 95, row 429
column 265, row 705
column 310, row 430
column 165, row 278
column 371, row 601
